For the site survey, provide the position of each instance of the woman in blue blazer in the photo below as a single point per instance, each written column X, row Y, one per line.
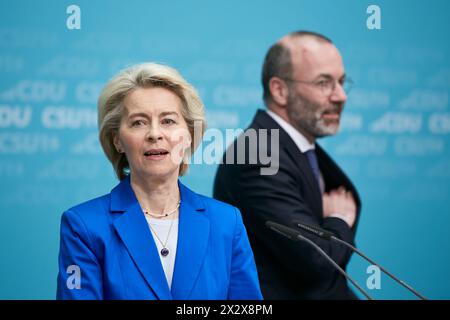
column 152, row 237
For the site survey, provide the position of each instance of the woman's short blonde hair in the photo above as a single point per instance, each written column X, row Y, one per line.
column 146, row 75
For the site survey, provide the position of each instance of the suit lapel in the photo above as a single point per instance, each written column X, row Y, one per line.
column 305, row 167
column 133, row 230
column 193, row 237
column 334, row 176
column 300, row 160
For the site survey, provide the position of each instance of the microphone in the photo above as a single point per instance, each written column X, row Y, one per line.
column 327, row 235
column 295, row 235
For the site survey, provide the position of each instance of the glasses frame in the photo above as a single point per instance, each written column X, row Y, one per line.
column 327, row 86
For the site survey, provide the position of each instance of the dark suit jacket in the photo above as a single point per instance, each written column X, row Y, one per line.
column 289, row 270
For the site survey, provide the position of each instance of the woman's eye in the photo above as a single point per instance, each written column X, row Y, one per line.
column 137, row 123
column 168, row 121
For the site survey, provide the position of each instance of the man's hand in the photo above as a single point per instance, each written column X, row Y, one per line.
column 340, row 203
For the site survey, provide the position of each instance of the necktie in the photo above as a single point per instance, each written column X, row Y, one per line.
column 312, row 159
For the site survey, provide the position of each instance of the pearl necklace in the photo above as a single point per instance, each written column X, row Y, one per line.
column 162, row 215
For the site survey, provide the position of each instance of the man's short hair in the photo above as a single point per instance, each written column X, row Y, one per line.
column 278, row 63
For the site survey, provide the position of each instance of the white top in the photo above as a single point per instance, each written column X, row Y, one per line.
column 161, row 227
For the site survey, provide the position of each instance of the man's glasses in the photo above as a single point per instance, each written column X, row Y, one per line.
column 327, row 86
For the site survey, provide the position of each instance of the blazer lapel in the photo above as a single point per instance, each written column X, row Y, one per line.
column 133, row 230
column 193, row 237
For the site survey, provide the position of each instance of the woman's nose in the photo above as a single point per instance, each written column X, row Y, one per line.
column 154, row 133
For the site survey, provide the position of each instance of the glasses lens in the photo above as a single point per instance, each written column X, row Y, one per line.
column 348, row 84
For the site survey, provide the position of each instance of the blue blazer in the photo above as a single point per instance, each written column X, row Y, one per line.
column 107, row 251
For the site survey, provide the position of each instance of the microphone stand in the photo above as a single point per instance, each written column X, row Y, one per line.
column 330, row 236
column 293, row 234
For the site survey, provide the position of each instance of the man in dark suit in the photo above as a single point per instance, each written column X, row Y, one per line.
column 304, row 85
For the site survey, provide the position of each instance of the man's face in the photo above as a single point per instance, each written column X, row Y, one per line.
column 311, row 109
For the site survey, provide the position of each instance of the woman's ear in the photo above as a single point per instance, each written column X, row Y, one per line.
column 279, row 91
column 188, row 142
column 117, row 143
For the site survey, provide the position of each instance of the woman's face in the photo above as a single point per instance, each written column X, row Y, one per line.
column 153, row 133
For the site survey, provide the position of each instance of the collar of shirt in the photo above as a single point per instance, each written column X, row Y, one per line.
column 299, row 139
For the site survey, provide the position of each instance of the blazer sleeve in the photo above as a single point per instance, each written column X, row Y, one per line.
column 278, row 198
column 80, row 274
column 244, row 283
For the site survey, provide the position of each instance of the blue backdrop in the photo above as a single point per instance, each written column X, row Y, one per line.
column 394, row 142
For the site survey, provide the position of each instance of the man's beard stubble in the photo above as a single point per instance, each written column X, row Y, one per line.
column 306, row 116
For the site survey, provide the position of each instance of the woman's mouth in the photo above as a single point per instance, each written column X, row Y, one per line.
column 156, row 154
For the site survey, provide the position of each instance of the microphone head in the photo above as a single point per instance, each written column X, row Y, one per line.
column 289, row 233
column 324, row 234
